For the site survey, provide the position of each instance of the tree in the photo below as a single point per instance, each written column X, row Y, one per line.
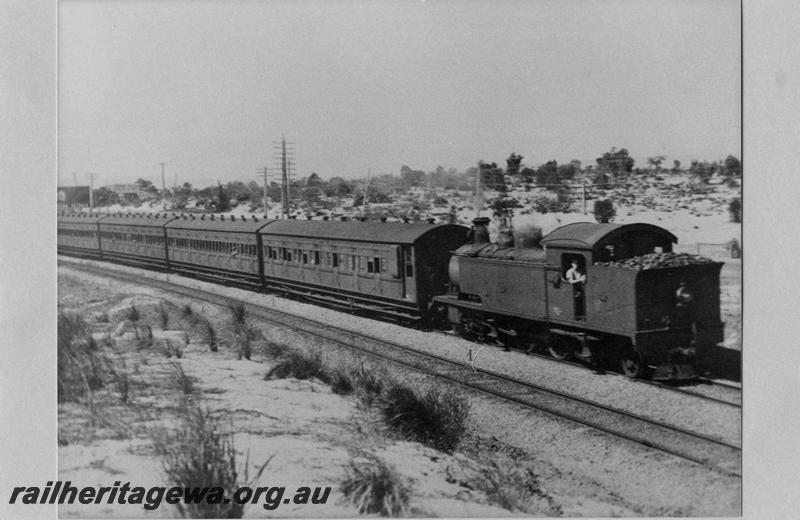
column 655, row 162
column 412, row 177
column 337, row 187
column 547, row 174
column 703, row 170
column 604, row 211
column 105, row 197
column 492, row 177
column 732, row 166
column 676, row 166
column 313, row 180
column 513, row 164
column 566, row 172
column 374, row 195
column 528, row 175
column 616, row 161
column 223, row 198
column 735, row 210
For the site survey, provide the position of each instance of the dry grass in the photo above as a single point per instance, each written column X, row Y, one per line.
column 201, row 453
column 183, row 381
column 376, row 488
column 514, row 488
column 80, row 368
column 299, row 365
column 436, row 418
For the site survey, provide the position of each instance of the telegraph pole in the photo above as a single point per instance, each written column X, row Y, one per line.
column 266, row 206
column 163, row 189
column 285, row 154
column 478, row 192
column 366, row 190
column 91, row 195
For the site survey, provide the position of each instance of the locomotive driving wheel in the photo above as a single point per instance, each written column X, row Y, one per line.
column 632, row 364
column 560, row 347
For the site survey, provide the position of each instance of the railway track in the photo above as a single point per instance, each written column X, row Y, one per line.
column 732, row 394
column 693, row 446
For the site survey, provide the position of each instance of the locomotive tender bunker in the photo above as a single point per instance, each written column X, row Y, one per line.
column 639, row 313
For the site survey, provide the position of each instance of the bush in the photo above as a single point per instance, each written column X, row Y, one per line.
column 163, row 314
column 374, row 487
column 208, row 333
column 369, row 384
column 514, row 488
column 200, row 454
column 604, row 211
column 300, row 366
column 182, row 380
column 132, row 314
column 436, row 418
column 80, row 369
column 545, row 204
column 735, row 210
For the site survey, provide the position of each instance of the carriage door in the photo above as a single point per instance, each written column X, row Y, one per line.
column 409, row 276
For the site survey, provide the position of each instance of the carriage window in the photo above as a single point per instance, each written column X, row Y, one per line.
column 335, row 259
column 305, row 257
column 316, row 257
column 370, row 266
column 409, row 263
column 377, row 262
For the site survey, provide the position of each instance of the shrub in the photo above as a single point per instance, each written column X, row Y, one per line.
column 163, row 315
column 604, row 211
column 735, row 210
column 238, row 314
column 300, row 366
column 200, row 454
column 374, row 487
column 182, row 380
column 369, row 384
column 208, row 334
column 133, row 314
column 514, row 488
column 188, row 314
column 274, row 350
column 544, row 204
column 79, row 367
column 436, row 418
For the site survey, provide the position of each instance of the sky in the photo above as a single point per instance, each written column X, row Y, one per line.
column 208, row 87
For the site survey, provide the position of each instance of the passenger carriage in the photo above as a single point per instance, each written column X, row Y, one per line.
column 220, row 249
column 77, row 234
column 392, row 268
column 136, row 239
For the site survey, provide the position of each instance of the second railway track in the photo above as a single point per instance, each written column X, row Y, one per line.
column 693, row 446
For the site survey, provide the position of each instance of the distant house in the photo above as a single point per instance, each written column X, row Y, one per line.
column 73, row 196
column 130, row 192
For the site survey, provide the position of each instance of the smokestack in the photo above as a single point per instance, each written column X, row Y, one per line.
column 480, row 230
